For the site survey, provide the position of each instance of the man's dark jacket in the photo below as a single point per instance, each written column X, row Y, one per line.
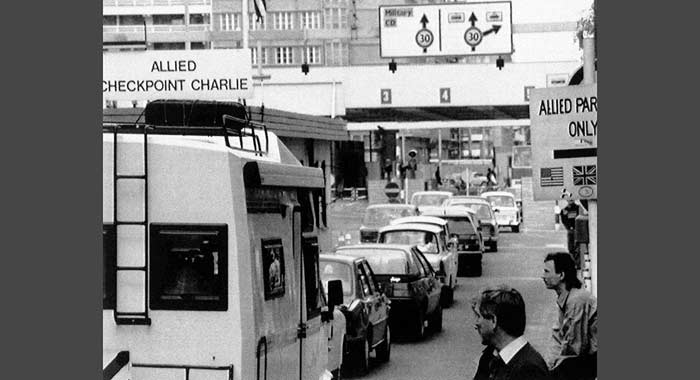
column 527, row 364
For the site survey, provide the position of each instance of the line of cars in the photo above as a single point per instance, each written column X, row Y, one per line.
column 397, row 281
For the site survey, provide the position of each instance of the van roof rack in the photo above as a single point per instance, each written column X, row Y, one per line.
column 198, row 118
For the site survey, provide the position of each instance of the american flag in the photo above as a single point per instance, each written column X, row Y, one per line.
column 260, row 9
column 585, row 175
column 552, row 177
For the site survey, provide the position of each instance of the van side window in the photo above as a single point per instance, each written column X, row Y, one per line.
column 312, row 280
column 188, row 267
column 109, row 266
column 307, row 211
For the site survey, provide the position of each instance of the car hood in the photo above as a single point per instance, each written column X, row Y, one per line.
column 423, row 209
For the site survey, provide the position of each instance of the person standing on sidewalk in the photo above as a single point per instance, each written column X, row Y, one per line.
column 500, row 321
column 574, row 349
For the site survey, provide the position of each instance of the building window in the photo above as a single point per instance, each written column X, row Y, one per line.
column 283, row 20
column 168, row 46
column 312, row 54
column 188, row 267
column 336, row 53
column 311, row 20
column 230, row 21
column 254, row 24
column 200, row 45
column 168, row 19
column 254, row 56
column 199, row 19
column 284, row 56
column 109, row 20
column 336, row 18
column 109, row 265
column 131, row 20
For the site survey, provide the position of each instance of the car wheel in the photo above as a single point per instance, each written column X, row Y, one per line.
column 516, row 228
column 420, row 325
column 363, row 359
column 384, row 349
column 436, row 320
column 494, row 246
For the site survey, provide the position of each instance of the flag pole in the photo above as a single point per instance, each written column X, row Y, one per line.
column 244, row 22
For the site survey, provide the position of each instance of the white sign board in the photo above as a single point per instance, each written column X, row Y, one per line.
column 564, row 130
column 455, row 29
column 221, row 74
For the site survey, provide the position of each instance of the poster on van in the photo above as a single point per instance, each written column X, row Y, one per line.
column 273, row 267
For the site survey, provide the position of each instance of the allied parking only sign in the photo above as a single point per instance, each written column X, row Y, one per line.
column 221, row 74
column 445, row 29
column 564, row 130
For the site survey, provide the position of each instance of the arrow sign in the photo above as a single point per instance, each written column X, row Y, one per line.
column 493, row 29
column 472, row 18
column 424, row 20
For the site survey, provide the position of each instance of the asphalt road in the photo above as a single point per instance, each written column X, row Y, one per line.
column 453, row 353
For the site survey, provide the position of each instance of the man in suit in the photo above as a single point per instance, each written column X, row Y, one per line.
column 500, row 321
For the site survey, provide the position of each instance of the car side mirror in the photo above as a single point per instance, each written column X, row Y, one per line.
column 335, row 294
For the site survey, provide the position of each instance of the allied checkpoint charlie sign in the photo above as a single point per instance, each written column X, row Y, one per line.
column 564, row 130
column 221, row 74
column 456, row 29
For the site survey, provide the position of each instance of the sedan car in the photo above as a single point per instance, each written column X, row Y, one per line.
column 410, row 283
column 425, row 200
column 507, row 211
column 379, row 215
column 365, row 308
column 465, row 237
column 431, row 240
column 488, row 225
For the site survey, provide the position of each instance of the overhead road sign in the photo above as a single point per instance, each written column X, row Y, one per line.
column 221, row 74
column 453, row 29
column 564, row 129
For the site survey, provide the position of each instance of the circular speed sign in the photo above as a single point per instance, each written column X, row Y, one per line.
column 473, row 36
column 424, row 38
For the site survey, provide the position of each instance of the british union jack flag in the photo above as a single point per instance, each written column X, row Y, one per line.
column 585, row 175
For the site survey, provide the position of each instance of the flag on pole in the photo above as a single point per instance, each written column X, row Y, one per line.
column 260, row 9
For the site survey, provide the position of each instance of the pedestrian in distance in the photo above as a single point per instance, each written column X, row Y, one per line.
column 500, row 321
column 574, row 350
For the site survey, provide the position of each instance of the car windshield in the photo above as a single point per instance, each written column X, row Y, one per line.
column 429, row 199
column 425, row 241
column 332, row 270
column 381, row 216
column 460, row 226
column 501, row 200
column 382, row 261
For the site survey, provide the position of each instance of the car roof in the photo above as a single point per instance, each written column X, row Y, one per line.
column 412, row 227
column 392, row 205
column 435, row 192
column 471, row 199
column 337, row 257
column 419, row 219
column 394, row 247
column 450, row 211
column 497, row 193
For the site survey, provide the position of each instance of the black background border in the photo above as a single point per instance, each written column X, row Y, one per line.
column 52, row 198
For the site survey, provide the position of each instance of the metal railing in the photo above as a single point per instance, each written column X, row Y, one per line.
column 188, row 368
column 148, row 3
column 156, row 28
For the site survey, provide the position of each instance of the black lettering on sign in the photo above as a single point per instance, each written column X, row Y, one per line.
column 174, row 66
column 583, row 128
column 555, row 106
column 587, row 104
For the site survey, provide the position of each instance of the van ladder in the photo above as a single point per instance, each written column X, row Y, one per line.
column 138, row 317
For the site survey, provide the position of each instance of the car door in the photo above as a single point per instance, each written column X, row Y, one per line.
column 378, row 311
column 429, row 281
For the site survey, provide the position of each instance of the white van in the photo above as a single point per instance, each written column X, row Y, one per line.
column 210, row 250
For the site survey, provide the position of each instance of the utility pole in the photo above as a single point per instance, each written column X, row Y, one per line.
column 589, row 78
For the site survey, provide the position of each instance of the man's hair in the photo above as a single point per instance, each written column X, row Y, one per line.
column 564, row 263
column 504, row 303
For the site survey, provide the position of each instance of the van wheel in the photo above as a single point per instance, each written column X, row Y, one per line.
column 516, row 228
column 384, row 349
column 447, row 296
column 494, row 246
column 363, row 359
column 420, row 325
column 436, row 320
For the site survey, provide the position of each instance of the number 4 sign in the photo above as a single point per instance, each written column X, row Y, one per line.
column 445, row 95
